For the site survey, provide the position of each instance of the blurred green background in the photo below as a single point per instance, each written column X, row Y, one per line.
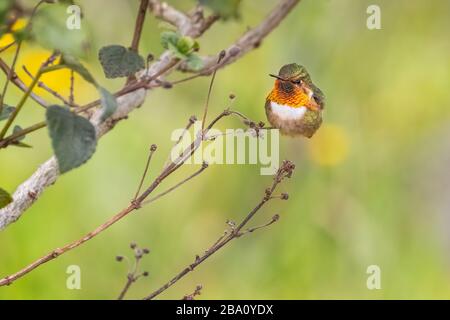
column 371, row 188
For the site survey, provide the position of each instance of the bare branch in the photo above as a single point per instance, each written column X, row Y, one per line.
column 178, row 19
column 136, row 204
column 47, row 173
column 139, row 24
column 20, row 84
column 149, row 158
column 42, row 85
column 285, row 171
column 72, row 88
column 179, row 184
column 9, row 75
column 250, row 40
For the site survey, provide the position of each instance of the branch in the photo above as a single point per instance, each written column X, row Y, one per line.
column 250, row 40
column 285, row 171
column 178, row 19
column 20, row 84
column 139, row 24
column 42, row 85
column 46, row 175
column 136, row 203
column 138, row 31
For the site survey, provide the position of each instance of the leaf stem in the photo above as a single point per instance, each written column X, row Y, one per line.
column 5, row 142
column 9, row 76
column 20, row 104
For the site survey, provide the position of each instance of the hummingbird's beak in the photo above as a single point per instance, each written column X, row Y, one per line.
column 278, row 77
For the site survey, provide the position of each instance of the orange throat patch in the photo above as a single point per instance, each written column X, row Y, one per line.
column 296, row 98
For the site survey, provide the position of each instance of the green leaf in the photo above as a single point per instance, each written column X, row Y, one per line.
column 180, row 46
column 6, row 112
column 176, row 52
column 17, row 129
column 5, row 198
column 194, row 62
column 169, row 37
column 185, row 44
column 109, row 103
column 50, row 31
column 73, row 137
column 72, row 63
column 21, row 144
column 118, row 61
column 226, row 9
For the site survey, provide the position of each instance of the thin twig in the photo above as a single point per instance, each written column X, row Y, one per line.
column 72, row 88
column 191, row 121
column 9, row 75
column 138, row 31
column 42, row 85
column 285, row 171
column 47, row 174
column 45, row 67
column 133, row 273
column 125, row 289
column 149, row 158
column 139, row 24
column 59, row 251
column 211, row 83
column 196, row 292
column 7, row 46
column 179, row 184
column 16, row 135
column 20, row 84
column 135, row 205
column 142, row 84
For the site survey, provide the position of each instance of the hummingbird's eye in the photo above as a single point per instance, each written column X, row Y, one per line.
column 298, row 81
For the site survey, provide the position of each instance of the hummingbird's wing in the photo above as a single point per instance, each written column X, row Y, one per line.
column 318, row 95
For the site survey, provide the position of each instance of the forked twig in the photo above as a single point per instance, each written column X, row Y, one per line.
column 134, row 272
column 136, row 203
column 285, row 171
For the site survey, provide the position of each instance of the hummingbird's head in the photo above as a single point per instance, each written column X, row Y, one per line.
column 293, row 72
column 293, row 87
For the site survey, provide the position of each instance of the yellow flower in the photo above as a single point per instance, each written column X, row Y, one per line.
column 329, row 146
column 8, row 38
column 19, row 24
column 59, row 81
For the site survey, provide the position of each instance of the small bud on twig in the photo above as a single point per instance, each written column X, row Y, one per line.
column 222, row 54
column 192, row 119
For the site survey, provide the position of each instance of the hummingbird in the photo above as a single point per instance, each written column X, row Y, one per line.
column 295, row 104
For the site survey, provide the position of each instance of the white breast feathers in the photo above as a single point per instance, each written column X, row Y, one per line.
column 287, row 112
